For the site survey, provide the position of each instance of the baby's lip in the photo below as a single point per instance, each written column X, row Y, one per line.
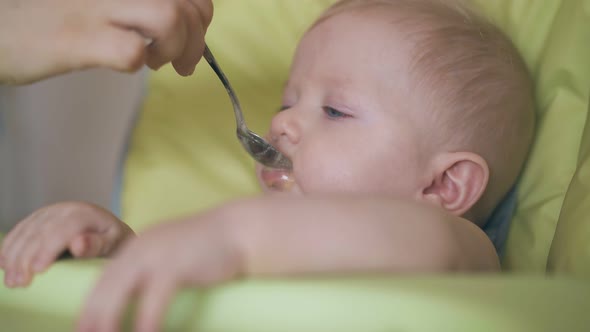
column 277, row 179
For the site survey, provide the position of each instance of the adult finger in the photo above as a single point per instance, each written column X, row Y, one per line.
column 199, row 20
column 114, row 47
column 162, row 21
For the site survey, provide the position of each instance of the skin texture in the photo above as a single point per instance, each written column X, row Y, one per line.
column 39, row 39
column 371, row 193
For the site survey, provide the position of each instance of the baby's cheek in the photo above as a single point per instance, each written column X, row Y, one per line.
column 320, row 178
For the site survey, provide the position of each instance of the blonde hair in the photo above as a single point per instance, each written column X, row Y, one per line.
column 477, row 84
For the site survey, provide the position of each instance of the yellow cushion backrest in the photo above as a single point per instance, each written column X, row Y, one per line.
column 554, row 37
column 184, row 156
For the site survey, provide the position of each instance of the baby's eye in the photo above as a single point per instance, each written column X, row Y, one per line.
column 282, row 108
column 334, row 113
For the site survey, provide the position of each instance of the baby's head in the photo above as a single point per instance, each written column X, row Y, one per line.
column 416, row 99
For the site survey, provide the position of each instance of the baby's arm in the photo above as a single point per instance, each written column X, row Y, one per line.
column 281, row 236
column 354, row 234
column 85, row 230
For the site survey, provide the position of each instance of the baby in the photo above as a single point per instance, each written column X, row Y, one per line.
column 407, row 121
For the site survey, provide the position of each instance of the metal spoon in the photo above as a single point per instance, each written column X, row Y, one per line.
column 255, row 145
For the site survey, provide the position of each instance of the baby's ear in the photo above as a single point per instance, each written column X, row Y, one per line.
column 458, row 181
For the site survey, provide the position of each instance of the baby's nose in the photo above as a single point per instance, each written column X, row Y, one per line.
column 285, row 126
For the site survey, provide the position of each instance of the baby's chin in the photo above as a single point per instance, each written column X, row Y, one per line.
column 276, row 180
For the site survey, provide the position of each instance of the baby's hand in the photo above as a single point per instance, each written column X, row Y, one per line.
column 84, row 229
column 153, row 266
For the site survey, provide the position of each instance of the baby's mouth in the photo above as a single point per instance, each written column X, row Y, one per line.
column 277, row 179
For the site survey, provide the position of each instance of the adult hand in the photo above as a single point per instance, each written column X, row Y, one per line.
column 43, row 38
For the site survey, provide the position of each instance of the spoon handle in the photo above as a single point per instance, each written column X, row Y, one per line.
column 230, row 91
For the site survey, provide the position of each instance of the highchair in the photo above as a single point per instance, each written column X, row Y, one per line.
column 182, row 156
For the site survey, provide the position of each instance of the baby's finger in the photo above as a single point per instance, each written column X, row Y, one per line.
column 13, row 254
column 153, row 303
column 105, row 305
column 88, row 245
column 15, row 277
column 8, row 277
column 23, row 278
column 25, row 261
column 12, row 236
column 51, row 248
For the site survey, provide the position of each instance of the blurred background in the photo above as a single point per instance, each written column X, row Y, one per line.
column 62, row 139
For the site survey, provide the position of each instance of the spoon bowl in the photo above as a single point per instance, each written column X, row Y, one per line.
column 257, row 147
